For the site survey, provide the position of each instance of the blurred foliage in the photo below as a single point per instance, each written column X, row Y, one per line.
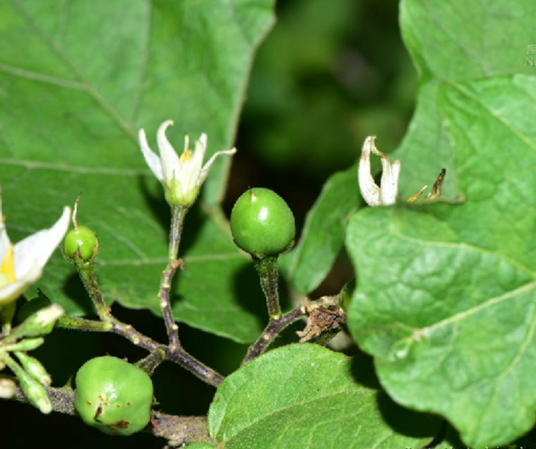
column 328, row 75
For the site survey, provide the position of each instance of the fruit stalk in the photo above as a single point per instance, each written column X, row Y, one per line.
column 268, row 271
column 88, row 275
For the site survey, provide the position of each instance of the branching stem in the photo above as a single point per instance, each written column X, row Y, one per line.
column 275, row 326
column 177, row 355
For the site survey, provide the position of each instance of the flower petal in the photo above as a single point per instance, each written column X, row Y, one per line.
column 204, row 171
column 168, row 155
column 389, row 182
column 152, row 159
column 369, row 190
column 10, row 292
column 32, row 253
column 196, row 163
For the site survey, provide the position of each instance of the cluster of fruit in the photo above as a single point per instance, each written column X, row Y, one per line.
column 115, row 396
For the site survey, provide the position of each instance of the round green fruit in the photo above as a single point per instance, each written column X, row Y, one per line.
column 262, row 223
column 113, row 396
column 80, row 239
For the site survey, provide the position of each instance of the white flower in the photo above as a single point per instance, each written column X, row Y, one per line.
column 22, row 264
column 182, row 176
column 372, row 194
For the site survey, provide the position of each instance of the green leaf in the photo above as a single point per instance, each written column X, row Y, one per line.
column 305, row 396
column 445, row 298
column 200, row 446
column 322, row 238
column 77, row 81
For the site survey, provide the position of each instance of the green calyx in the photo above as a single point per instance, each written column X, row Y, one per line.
column 113, row 395
column 262, row 223
column 80, row 244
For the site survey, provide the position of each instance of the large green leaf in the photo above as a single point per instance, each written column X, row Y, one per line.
column 322, row 238
column 305, row 396
column 77, row 80
column 445, row 299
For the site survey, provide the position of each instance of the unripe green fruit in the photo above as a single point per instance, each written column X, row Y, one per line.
column 262, row 223
column 113, row 396
column 80, row 239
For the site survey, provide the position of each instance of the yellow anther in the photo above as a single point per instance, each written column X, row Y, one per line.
column 8, row 266
column 186, row 156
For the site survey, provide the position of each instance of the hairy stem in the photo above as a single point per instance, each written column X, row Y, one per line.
column 274, row 328
column 88, row 276
column 178, row 430
column 152, row 361
column 268, row 271
column 177, row 220
column 174, row 354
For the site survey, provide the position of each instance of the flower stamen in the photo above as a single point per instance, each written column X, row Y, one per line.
column 7, row 269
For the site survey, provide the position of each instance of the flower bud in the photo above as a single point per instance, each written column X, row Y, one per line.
column 34, row 391
column 39, row 323
column 7, row 388
column 28, row 344
column 34, row 368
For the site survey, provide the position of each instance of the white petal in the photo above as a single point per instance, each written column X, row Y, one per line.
column 5, row 243
column 153, row 161
column 196, row 164
column 389, row 182
column 369, row 190
column 10, row 292
column 204, row 172
column 31, row 254
column 168, row 155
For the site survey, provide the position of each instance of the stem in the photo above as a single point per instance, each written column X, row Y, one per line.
column 181, row 430
column 152, row 361
column 269, row 276
column 177, row 220
column 88, row 276
column 81, row 324
column 275, row 326
column 176, row 355
column 178, row 430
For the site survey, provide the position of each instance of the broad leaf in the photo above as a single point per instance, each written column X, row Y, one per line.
column 304, row 397
column 445, row 298
column 77, row 81
column 322, row 238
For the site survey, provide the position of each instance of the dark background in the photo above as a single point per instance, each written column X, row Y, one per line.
column 330, row 73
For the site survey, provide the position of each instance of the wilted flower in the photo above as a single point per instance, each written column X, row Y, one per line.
column 183, row 176
column 373, row 195
column 22, row 264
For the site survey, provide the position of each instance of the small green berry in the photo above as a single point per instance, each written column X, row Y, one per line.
column 80, row 243
column 113, row 396
column 262, row 224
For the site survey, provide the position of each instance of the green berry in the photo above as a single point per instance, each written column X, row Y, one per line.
column 80, row 244
column 262, row 223
column 113, row 396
